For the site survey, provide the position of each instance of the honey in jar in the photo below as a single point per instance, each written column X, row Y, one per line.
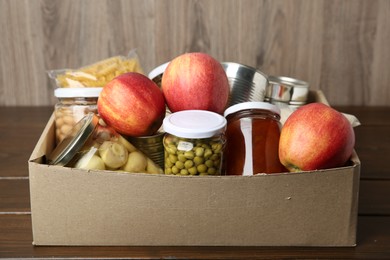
column 252, row 139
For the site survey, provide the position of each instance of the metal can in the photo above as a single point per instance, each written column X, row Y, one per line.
column 156, row 74
column 246, row 83
column 151, row 145
column 252, row 139
column 194, row 143
column 285, row 90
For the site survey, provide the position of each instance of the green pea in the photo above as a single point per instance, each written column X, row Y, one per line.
column 199, row 151
column 168, row 139
column 179, row 165
column 203, row 159
column 188, row 164
column 208, row 153
column 209, row 163
column 168, row 163
column 202, row 168
column 182, row 157
column 189, row 155
column 217, row 163
column 198, row 160
column 172, row 149
column 217, row 148
column 175, row 170
column 206, row 146
column 193, row 171
column 173, row 158
column 214, row 157
column 211, row 171
column 184, row 172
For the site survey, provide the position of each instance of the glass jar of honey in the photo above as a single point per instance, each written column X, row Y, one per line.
column 252, row 139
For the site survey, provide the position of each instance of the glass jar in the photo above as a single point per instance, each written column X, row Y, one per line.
column 73, row 104
column 194, row 143
column 91, row 144
column 252, row 139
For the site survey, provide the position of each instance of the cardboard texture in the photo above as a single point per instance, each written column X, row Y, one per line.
column 77, row 207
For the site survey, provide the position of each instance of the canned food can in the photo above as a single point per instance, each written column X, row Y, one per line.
column 246, row 83
column 287, row 90
column 152, row 146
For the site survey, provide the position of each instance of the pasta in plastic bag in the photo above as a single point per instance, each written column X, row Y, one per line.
column 96, row 74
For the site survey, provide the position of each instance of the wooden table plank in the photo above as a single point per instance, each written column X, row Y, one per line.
column 20, row 129
column 373, row 243
column 374, row 116
column 372, row 139
column 14, row 196
column 374, row 197
column 372, row 147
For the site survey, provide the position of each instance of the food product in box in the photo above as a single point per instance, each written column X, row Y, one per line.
column 93, row 145
column 97, row 74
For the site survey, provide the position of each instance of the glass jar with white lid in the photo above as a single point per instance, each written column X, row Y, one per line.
column 194, row 143
column 73, row 104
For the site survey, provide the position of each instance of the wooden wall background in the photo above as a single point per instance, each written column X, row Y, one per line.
column 339, row 46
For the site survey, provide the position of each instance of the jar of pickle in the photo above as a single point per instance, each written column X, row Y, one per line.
column 194, row 143
column 252, row 139
column 93, row 145
column 73, row 104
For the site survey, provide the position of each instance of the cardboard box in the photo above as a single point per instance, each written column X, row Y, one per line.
column 78, row 207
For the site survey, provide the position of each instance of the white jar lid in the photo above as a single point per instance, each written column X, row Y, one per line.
column 77, row 92
column 252, row 105
column 194, row 124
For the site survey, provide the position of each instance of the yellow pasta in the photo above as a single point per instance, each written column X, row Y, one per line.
column 99, row 73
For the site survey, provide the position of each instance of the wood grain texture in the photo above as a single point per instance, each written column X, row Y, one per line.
column 339, row 46
column 15, row 242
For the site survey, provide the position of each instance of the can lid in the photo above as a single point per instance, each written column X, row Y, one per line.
column 158, row 70
column 194, row 124
column 77, row 92
column 252, row 105
column 67, row 148
column 297, row 83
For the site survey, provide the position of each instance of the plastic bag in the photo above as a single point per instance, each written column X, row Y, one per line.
column 97, row 74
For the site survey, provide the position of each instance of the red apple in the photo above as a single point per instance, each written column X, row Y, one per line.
column 132, row 104
column 315, row 136
column 195, row 81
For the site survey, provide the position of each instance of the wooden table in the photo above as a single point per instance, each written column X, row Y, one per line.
column 20, row 128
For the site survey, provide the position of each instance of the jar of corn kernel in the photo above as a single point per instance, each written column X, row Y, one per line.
column 73, row 104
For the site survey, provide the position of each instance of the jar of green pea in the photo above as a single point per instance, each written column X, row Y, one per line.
column 194, row 143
